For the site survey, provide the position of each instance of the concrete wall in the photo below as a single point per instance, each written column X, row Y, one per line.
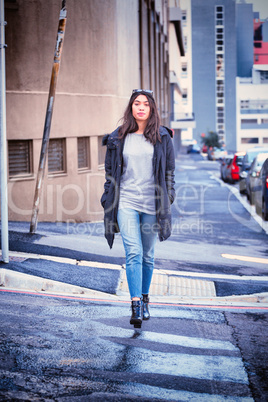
column 100, row 66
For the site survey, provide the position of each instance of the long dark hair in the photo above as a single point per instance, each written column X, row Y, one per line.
column 151, row 132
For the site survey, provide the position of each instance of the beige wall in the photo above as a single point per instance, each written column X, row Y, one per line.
column 99, row 68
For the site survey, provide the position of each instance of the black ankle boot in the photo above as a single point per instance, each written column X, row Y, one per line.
column 136, row 318
column 145, row 307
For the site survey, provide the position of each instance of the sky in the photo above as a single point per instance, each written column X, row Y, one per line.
column 261, row 6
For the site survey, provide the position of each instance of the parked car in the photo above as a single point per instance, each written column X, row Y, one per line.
column 193, row 149
column 261, row 192
column 245, row 166
column 188, row 141
column 204, row 149
column 219, row 153
column 225, row 165
column 234, row 168
column 253, row 174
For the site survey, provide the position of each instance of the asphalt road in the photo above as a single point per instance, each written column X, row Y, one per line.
column 68, row 349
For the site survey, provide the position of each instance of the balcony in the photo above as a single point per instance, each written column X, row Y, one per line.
column 182, row 120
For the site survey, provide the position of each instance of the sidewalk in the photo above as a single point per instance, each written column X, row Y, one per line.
column 50, row 274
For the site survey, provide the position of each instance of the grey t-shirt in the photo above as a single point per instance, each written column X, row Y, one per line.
column 137, row 189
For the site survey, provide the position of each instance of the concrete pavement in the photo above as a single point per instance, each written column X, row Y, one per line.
column 168, row 286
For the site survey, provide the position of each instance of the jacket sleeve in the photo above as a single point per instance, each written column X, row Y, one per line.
column 170, row 170
column 108, row 169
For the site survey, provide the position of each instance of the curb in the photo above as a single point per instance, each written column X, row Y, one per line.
column 15, row 281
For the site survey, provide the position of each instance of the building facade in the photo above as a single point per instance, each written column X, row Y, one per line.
column 260, row 40
column 214, row 69
column 244, row 36
column 185, row 116
column 252, row 80
column 252, row 109
column 110, row 47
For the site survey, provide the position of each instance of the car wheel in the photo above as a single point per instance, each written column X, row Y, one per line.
column 242, row 189
column 258, row 209
column 264, row 211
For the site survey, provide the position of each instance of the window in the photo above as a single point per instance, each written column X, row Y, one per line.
column 101, row 152
column 83, row 153
column 249, row 121
column 264, row 121
column 265, row 140
column 185, row 43
column 57, row 156
column 253, row 140
column 20, row 155
column 184, row 94
column 184, row 69
column 13, row 4
column 184, row 17
column 264, row 77
column 244, row 104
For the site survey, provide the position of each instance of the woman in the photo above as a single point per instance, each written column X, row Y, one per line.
column 138, row 193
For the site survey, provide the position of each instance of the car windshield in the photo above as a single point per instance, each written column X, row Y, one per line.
column 251, row 154
column 239, row 158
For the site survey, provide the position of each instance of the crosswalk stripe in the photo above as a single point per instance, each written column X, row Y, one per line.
column 176, row 395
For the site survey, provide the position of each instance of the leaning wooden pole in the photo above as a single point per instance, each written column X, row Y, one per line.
column 50, row 104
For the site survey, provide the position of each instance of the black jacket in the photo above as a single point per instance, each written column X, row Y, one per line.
column 163, row 168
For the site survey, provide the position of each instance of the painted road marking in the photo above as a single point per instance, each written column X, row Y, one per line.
column 245, row 258
column 150, row 391
column 187, row 341
column 205, row 367
column 212, row 368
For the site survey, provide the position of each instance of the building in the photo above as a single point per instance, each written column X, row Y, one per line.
column 244, row 39
column 110, row 47
column 252, row 109
column 214, row 69
column 185, row 115
column 260, row 40
column 252, row 80
column 177, row 51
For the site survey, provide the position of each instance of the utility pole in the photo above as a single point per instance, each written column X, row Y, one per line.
column 3, row 139
column 50, row 104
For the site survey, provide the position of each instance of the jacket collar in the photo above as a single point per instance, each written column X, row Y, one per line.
column 165, row 130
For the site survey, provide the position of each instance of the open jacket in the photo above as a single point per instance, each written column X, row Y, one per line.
column 163, row 169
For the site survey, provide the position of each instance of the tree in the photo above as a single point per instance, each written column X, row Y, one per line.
column 211, row 140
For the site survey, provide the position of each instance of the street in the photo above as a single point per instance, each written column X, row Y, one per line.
column 65, row 348
column 62, row 349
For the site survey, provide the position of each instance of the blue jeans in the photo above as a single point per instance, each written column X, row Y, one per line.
column 139, row 233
